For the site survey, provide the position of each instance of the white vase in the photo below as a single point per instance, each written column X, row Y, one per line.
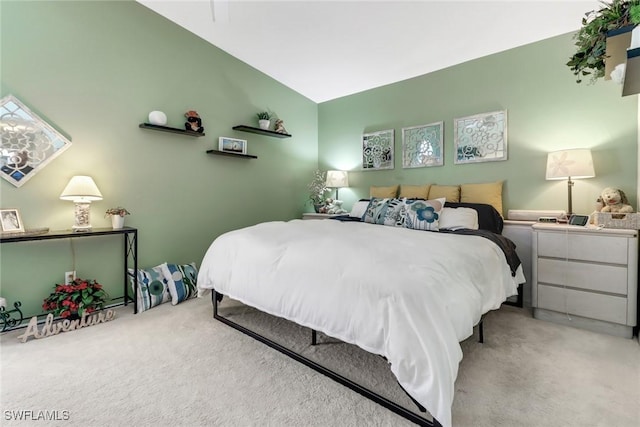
column 117, row 222
column 157, row 118
column 264, row 124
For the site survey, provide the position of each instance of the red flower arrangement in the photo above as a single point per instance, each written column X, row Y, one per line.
column 75, row 298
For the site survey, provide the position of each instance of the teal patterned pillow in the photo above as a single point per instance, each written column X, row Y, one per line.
column 375, row 211
column 181, row 281
column 385, row 212
column 152, row 287
column 423, row 214
column 394, row 214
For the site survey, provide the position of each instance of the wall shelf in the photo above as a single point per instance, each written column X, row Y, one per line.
column 632, row 73
column 259, row 131
column 170, row 129
column 618, row 41
column 224, row 153
column 619, row 51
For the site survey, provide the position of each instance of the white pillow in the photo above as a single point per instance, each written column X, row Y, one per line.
column 359, row 208
column 455, row 218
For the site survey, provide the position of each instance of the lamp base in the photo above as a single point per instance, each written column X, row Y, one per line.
column 82, row 214
column 569, row 198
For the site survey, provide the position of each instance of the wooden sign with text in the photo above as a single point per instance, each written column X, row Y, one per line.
column 49, row 328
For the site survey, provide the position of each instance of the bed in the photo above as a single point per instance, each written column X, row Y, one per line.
column 410, row 296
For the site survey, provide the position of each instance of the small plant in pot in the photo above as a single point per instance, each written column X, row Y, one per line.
column 117, row 216
column 264, row 120
column 73, row 300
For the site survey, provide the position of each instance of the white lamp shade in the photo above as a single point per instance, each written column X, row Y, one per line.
column 337, row 179
column 81, row 189
column 576, row 163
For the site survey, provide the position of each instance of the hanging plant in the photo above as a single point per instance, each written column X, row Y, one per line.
column 591, row 39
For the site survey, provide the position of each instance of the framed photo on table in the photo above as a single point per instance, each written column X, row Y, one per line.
column 232, row 145
column 10, row 221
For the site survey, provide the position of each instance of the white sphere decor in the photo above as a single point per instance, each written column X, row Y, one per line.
column 157, row 118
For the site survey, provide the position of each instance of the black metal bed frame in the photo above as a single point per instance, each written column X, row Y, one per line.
column 216, row 297
column 369, row 394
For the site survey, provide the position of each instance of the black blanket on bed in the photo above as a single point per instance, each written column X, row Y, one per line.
column 507, row 246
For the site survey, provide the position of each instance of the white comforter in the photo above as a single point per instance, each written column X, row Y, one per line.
column 408, row 295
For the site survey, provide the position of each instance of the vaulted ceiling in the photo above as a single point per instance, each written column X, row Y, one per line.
column 326, row 49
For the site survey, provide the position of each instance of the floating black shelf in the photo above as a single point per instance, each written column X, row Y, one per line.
column 225, row 153
column 259, row 131
column 170, row 130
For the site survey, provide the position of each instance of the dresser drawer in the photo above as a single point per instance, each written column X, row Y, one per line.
column 608, row 249
column 595, row 306
column 597, row 277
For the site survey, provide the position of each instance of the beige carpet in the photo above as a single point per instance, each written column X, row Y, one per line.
column 175, row 365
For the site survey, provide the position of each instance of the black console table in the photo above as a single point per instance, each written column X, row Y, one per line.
column 130, row 249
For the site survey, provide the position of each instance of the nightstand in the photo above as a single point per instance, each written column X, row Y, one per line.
column 313, row 215
column 586, row 277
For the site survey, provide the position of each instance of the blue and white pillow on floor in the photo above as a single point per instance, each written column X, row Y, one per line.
column 163, row 283
column 181, row 280
column 152, row 287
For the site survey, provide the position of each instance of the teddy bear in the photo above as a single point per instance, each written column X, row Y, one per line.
column 615, row 200
column 280, row 126
column 193, row 122
column 335, row 207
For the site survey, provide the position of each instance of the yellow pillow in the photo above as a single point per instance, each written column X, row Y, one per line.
column 489, row 193
column 415, row 191
column 382, row 192
column 449, row 192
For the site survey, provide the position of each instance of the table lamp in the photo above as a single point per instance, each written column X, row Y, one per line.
column 570, row 164
column 337, row 179
column 82, row 191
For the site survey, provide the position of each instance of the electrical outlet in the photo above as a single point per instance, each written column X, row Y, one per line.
column 69, row 276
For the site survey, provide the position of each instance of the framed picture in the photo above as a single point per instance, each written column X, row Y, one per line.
column 232, row 145
column 481, row 138
column 422, row 146
column 27, row 143
column 377, row 150
column 10, row 220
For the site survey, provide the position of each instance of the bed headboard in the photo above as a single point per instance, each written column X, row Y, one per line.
column 489, row 193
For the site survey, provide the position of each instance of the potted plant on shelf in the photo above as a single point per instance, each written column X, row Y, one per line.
column 264, row 119
column 591, row 39
column 317, row 189
column 73, row 300
column 117, row 216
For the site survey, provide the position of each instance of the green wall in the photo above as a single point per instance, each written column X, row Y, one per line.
column 547, row 111
column 94, row 70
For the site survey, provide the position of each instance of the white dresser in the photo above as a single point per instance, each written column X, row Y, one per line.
column 585, row 277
